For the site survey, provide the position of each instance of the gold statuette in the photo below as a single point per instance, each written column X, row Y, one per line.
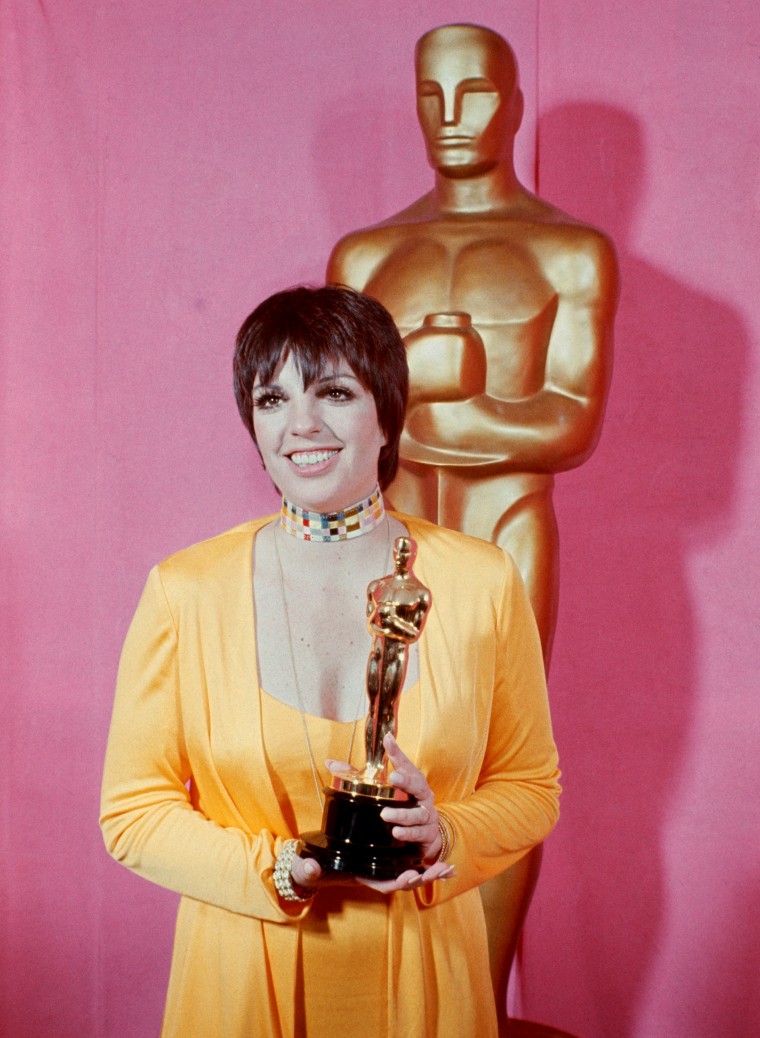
column 354, row 838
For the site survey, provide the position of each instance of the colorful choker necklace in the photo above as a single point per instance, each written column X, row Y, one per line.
column 350, row 522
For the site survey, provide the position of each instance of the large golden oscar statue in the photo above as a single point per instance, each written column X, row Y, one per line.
column 506, row 305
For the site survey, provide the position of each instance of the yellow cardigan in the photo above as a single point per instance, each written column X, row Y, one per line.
column 191, row 801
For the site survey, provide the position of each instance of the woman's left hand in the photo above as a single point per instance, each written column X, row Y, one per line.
column 417, row 824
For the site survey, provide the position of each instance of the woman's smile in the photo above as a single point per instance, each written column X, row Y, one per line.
column 310, row 462
column 320, row 443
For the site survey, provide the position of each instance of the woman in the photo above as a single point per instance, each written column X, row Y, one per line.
column 244, row 670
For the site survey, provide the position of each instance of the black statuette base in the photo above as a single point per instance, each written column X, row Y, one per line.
column 356, row 840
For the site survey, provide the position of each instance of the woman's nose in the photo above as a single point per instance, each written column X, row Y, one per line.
column 306, row 416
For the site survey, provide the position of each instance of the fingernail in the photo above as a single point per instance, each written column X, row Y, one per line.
column 310, row 869
column 448, row 873
column 395, row 776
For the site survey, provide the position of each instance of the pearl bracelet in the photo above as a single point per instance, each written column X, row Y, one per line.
column 283, row 880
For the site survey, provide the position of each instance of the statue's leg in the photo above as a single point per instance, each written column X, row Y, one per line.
column 516, row 512
column 506, row 899
column 394, row 670
column 373, row 690
column 529, row 533
column 527, row 528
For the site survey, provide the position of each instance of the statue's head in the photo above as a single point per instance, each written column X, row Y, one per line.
column 469, row 101
column 404, row 553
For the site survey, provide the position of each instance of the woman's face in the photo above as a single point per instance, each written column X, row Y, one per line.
column 319, row 445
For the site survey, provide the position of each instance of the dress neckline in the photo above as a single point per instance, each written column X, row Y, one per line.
column 269, row 697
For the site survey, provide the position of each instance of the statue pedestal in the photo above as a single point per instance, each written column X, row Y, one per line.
column 356, row 840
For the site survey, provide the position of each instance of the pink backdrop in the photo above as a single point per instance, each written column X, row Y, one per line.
column 167, row 165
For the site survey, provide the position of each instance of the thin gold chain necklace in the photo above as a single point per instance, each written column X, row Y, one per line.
column 296, row 683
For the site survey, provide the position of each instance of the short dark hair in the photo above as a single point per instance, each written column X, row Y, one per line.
column 321, row 326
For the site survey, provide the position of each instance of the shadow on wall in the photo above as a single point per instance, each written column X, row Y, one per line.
column 625, row 665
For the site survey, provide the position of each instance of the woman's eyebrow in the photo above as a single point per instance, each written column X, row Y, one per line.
column 336, row 374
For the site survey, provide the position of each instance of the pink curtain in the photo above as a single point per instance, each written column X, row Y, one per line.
column 164, row 167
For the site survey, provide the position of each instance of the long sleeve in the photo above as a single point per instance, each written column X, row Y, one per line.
column 148, row 820
column 514, row 802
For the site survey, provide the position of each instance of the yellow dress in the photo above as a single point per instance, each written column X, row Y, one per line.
column 206, row 775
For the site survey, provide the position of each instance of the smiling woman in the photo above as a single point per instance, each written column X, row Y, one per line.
column 342, row 339
column 318, row 443
column 240, row 689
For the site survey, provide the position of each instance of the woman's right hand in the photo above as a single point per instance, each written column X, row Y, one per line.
column 307, row 873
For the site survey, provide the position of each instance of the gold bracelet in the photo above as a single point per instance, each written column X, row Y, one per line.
column 448, row 837
column 283, row 880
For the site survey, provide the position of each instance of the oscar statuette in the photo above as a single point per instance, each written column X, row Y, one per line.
column 354, row 838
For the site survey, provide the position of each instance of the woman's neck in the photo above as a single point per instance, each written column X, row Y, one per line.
column 355, row 520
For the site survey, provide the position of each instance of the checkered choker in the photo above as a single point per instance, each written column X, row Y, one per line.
column 334, row 526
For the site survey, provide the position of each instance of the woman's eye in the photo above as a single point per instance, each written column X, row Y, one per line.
column 338, row 393
column 267, row 401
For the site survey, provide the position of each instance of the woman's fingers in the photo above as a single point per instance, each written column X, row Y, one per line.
column 395, row 753
column 423, row 834
column 439, row 870
column 412, row 824
column 420, row 823
column 410, row 880
column 337, row 766
column 306, row 872
column 404, row 775
column 420, row 815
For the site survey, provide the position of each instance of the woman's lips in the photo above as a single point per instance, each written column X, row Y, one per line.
column 312, row 462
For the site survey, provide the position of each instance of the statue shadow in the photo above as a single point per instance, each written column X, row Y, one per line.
column 626, row 662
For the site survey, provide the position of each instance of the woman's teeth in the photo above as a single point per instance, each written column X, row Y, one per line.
column 311, row 457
